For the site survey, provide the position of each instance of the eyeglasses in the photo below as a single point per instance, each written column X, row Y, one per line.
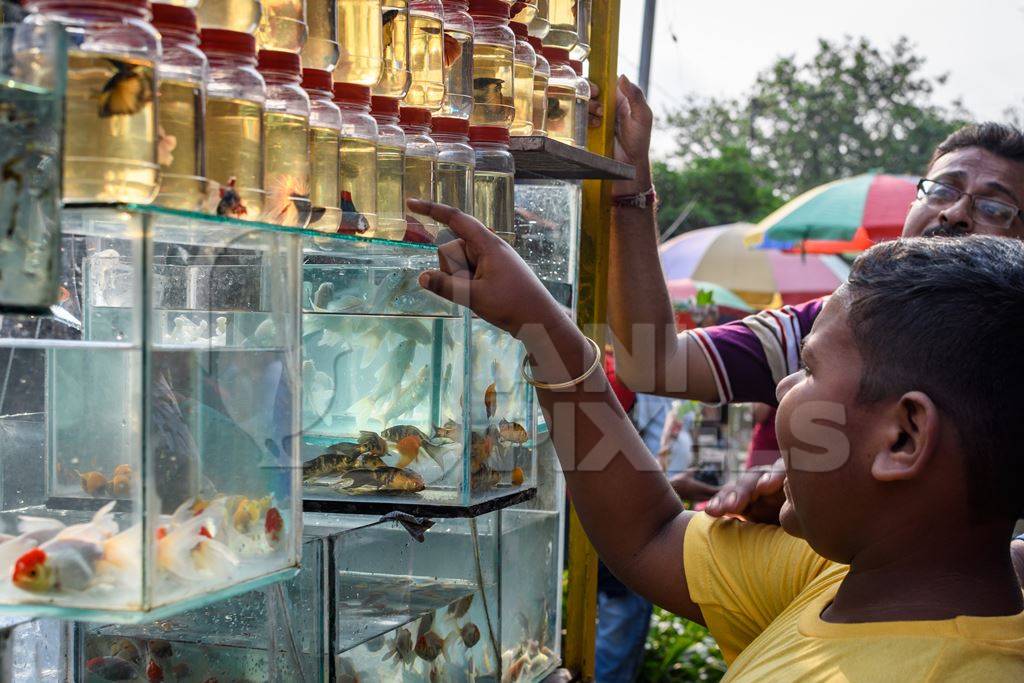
column 991, row 212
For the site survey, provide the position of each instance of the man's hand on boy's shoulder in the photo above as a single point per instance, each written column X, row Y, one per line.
column 756, row 495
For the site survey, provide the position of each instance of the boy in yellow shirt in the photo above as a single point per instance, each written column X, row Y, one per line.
column 902, row 439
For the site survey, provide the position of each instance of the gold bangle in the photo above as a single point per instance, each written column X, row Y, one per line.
column 571, row 383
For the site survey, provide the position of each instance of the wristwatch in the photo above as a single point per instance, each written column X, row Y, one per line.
column 640, row 200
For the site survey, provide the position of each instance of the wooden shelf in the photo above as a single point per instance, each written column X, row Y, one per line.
column 543, row 158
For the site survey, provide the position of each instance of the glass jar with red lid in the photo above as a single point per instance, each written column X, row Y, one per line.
column 561, row 108
column 525, row 68
column 358, row 160
column 390, row 168
column 420, row 170
column 458, row 60
column 324, row 132
column 285, row 140
column 456, row 161
column 110, row 98
column 230, row 15
column 493, row 180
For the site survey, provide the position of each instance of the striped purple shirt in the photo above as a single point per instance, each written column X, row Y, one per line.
column 751, row 356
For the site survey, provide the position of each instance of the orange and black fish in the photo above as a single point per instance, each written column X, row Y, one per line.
column 127, row 91
column 230, row 203
column 488, row 90
column 388, row 35
column 491, row 400
column 452, row 50
column 351, row 220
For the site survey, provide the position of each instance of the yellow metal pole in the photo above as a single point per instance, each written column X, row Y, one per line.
column 581, row 601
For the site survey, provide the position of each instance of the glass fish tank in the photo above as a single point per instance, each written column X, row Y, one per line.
column 547, row 233
column 32, row 650
column 276, row 633
column 407, row 400
column 148, row 422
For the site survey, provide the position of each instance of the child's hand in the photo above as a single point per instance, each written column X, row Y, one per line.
column 757, row 496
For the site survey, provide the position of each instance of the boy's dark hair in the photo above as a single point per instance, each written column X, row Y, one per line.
column 945, row 316
column 1001, row 139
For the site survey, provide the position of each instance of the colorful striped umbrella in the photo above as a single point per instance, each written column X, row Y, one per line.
column 762, row 278
column 685, row 290
column 861, row 210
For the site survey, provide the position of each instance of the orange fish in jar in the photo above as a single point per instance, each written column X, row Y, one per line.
column 452, row 50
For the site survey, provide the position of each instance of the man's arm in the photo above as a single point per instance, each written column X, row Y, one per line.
column 650, row 357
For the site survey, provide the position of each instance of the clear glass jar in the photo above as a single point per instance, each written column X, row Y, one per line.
column 581, row 120
column 361, row 33
column 426, row 54
column 282, row 26
column 390, row 169
column 540, row 26
column 420, row 171
column 493, row 180
column 527, row 11
column 541, row 76
column 321, row 50
column 182, row 96
column 561, row 109
column 493, row 65
column 455, row 162
column 583, row 9
column 235, row 97
column 357, row 153
column 285, row 140
column 395, row 76
column 230, row 15
column 562, row 24
column 458, row 60
column 109, row 101
column 524, row 69
column 324, row 133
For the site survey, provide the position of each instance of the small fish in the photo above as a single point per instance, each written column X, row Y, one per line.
column 409, row 449
column 287, row 201
column 381, row 480
column 161, row 649
column 555, row 111
column 452, row 50
column 246, row 513
column 154, row 672
column 127, row 91
column 94, row 483
column 123, row 470
column 491, row 400
column 126, row 649
column 165, row 146
column 399, row 432
column 485, row 478
column 352, row 222
column 112, row 668
column 518, row 476
column 273, row 526
column 513, row 432
column 470, row 634
column 409, row 395
column 488, row 91
column 68, row 560
column 230, row 203
column 480, row 449
column 449, row 432
column 121, row 486
column 460, row 607
column 429, row 645
column 388, row 17
column 323, row 295
column 402, row 649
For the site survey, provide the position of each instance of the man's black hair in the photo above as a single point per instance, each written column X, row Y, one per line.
column 945, row 316
column 1001, row 139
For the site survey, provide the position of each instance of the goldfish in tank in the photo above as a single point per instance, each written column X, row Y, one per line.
column 93, row 483
column 491, row 400
column 513, row 432
column 273, row 526
column 484, row 478
column 449, row 432
column 68, row 560
column 112, row 669
column 470, row 634
column 518, row 476
column 401, row 649
column 154, row 672
column 460, row 607
column 191, row 550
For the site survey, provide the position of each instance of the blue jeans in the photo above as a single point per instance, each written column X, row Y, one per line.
column 623, row 619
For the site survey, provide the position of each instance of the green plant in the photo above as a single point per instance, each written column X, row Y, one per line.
column 679, row 650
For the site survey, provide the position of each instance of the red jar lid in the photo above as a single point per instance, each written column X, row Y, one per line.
column 494, row 134
column 221, row 40
column 489, row 8
column 415, row 116
column 275, row 60
column 317, row 79
column 577, row 66
column 132, row 7
column 537, row 44
column 449, row 125
column 384, row 106
column 556, row 55
column 174, row 18
column 455, row 5
column 522, row 31
column 350, row 93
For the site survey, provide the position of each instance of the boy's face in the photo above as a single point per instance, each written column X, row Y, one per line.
column 827, row 438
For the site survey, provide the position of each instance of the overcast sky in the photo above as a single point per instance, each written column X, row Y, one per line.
column 719, row 46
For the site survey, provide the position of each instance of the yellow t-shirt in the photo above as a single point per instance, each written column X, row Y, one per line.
column 762, row 592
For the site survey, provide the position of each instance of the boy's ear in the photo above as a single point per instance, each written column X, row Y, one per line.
column 912, row 436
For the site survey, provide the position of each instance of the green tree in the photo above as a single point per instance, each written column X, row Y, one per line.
column 851, row 108
column 714, row 190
